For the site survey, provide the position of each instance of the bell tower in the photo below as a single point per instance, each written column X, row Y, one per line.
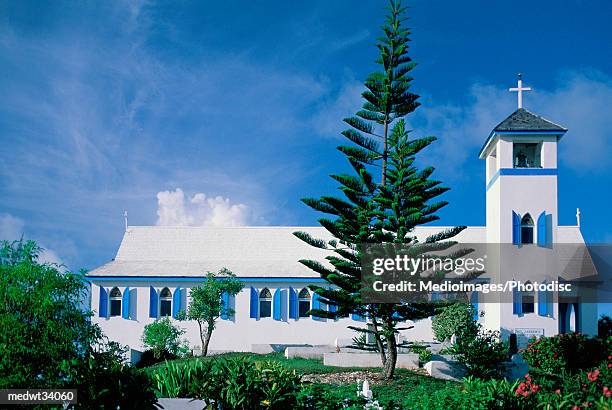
column 521, row 177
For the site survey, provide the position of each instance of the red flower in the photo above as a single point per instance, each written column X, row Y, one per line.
column 558, row 391
column 607, row 392
column 593, row 375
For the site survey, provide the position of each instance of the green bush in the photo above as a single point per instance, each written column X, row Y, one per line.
column 604, row 326
column 164, row 338
column 453, row 320
column 104, row 380
column 484, row 355
column 48, row 341
column 566, row 353
column 177, row 379
column 237, row 383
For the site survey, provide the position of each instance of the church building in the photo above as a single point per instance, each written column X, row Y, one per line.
column 155, row 266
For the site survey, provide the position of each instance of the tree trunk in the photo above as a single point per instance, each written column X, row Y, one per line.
column 379, row 343
column 202, row 339
column 391, row 361
column 206, row 342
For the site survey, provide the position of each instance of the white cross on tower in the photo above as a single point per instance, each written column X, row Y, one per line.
column 519, row 89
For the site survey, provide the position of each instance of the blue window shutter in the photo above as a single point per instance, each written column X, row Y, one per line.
column 517, row 305
column 176, row 302
column 276, row 305
column 103, row 308
column 293, row 304
column 316, row 304
column 358, row 317
column 224, row 305
column 152, row 302
column 516, row 228
column 254, row 304
column 125, row 304
column 542, row 230
column 474, row 302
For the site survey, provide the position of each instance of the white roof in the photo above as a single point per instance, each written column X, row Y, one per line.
column 247, row 251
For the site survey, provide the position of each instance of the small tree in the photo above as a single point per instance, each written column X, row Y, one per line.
column 206, row 304
column 162, row 336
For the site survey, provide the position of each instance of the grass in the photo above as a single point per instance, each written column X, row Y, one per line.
column 407, row 389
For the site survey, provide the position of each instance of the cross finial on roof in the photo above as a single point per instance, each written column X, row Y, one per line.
column 519, row 89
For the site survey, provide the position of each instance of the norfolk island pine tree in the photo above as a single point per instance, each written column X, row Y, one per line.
column 379, row 212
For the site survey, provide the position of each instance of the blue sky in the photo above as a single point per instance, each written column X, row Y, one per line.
column 229, row 112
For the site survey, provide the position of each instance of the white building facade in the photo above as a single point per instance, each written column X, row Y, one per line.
column 155, row 267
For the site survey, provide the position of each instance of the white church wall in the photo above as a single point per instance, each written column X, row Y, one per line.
column 242, row 331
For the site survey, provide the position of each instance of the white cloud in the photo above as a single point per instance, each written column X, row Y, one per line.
column 580, row 101
column 12, row 228
column 174, row 208
column 328, row 119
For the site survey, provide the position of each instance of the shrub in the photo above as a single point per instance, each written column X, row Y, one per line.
column 231, row 383
column 104, row 380
column 483, row 355
column 566, row 353
column 604, row 326
column 164, row 338
column 181, row 379
column 453, row 320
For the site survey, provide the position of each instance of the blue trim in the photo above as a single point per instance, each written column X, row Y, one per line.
column 152, row 302
column 521, row 171
column 103, row 305
column 293, row 303
column 254, row 302
column 225, row 305
column 199, row 279
column 125, row 304
column 176, row 302
column 276, row 304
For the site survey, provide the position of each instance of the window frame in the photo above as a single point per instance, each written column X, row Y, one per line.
column 265, row 300
column 115, row 298
column 304, row 298
column 163, row 299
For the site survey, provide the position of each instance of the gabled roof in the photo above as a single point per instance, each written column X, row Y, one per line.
column 247, row 251
column 523, row 120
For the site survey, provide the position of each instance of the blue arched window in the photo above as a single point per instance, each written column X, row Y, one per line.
column 115, row 302
column 304, row 302
column 527, row 229
column 265, row 303
column 165, row 302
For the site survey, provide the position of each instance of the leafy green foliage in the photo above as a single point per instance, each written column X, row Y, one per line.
column 569, row 353
column 604, row 326
column 103, row 380
column 385, row 212
column 163, row 337
column 453, row 320
column 48, row 341
column 236, row 383
column 205, row 305
column 41, row 323
column 484, row 354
